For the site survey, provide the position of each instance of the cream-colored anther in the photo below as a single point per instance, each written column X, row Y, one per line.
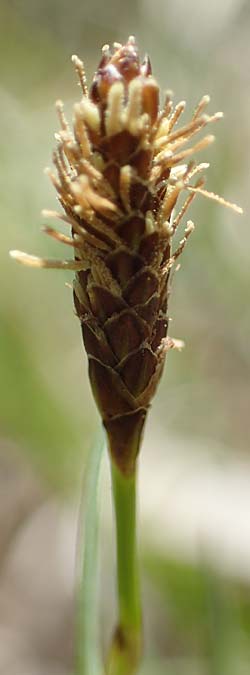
column 34, row 261
column 149, row 222
column 113, row 117
column 125, row 184
column 179, row 108
column 81, row 131
column 170, row 200
column 201, row 105
column 133, row 110
column 163, row 128
column 60, row 111
column 90, row 114
column 79, row 66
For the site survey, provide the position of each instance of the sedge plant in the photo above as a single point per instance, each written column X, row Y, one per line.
column 119, row 173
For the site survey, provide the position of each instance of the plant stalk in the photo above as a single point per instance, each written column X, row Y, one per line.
column 125, row 651
column 88, row 660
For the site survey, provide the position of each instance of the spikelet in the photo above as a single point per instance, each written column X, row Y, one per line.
column 119, row 175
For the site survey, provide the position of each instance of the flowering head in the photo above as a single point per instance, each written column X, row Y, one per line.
column 119, row 174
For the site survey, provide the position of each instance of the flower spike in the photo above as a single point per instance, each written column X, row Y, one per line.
column 119, row 174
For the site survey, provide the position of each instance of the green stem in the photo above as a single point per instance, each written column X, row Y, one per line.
column 125, row 650
column 87, row 639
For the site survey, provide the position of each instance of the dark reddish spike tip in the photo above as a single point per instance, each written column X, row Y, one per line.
column 123, row 64
column 146, row 68
column 103, row 80
column 126, row 60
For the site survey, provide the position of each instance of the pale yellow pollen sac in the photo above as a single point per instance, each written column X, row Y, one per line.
column 48, row 172
column 214, row 197
column 177, row 172
column 82, row 233
column 91, row 171
column 174, row 343
column 197, row 168
column 114, row 114
column 63, row 159
column 64, row 239
column 163, row 157
column 34, row 261
column 162, row 130
column 189, row 228
column 79, row 66
column 89, row 198
column 73, row 154
column 167, row 108
column 205, row 100
column 134, row 106
column 217, row 116
column 170, row 201
column 169, row 140
column 181, row 136
column 176, row 221
column 98, row 161
column 167, row 229
column 101, row 204
column 176, row 159
column 143, row 126
column 78, row 191
column 65, row 136
column 149, row 222
column 178, row 144
column 60, row 111
column 106, row 50
column 189, row 129
column 160, row 142
column 83, row 211
column 125, row 184
column 179, row 109
column 61, row 169
column 70, row 147
column 188, row 231
column 155, row 174
column 97, row 180
column 81, row 133
column 90, row 114
column 26, row 259
column 48, row 213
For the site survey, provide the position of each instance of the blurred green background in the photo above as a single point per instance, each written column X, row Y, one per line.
column 195, row 467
